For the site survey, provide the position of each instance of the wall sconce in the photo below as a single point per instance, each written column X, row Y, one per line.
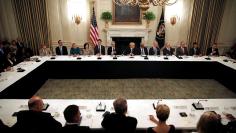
column 173, row 20
column 77, row 19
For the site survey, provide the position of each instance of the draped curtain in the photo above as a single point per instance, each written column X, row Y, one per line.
column 206, row 21
column 32, row 22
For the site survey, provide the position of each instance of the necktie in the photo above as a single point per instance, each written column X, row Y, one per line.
column 155, row 51
column 100, row 49
column 131, row 51
column 61, row 51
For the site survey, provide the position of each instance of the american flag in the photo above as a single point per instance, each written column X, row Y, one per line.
column 94, row 29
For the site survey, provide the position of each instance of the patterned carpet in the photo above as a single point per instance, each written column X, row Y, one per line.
column 133, row 89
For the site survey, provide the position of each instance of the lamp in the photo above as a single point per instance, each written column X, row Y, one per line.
column 144, row 4
column 77, row 19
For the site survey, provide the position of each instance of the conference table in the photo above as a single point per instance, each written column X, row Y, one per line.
column 17, row 87
column 22, row 85
column 138, row 108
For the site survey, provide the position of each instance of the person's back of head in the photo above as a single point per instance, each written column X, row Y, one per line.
column 72, row 114
column 35, row 103
column 209, row 122
column 162, row 112
column 120, row 106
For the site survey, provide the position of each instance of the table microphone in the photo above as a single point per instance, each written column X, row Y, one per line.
column 146, row 57
column 115, row 57
column 99, row 57
column 198, row 105
column 78, row 58
column 166, row 58
column 208, row 58
column 154, row 106
column 179, row 57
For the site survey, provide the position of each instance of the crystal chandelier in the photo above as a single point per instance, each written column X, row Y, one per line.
column 144, row 4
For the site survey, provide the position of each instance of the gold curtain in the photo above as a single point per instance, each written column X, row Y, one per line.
column 32, row 22
column 205, row 23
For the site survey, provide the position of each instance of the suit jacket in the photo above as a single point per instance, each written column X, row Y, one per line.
column 168, row 52
column 151, row 51
column 191, row 51
column 109, row 50
column 64, row 51
column 135, row 51
column 210, row 52
column 29, row 121
column 145, row 50
column 180, row 52
column 117, row 123
column 96, row 50
column 4, row 128
column 74, row 128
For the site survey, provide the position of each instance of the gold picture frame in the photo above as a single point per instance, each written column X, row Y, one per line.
column 126, row 15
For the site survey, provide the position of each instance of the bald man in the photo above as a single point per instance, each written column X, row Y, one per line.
column 132, row 50
column 34, row 120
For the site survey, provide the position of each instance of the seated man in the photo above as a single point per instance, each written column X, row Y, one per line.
column 182, row 49
column 34, row 120
column 162, row 113
column 154, row 50
column 168, row 50
column 61, row 50
column 73, row 118
column 118, row 122
column 194, row 50
column 99, row 49
column 112, row 50
column 213, row 51
column 143, row 50
column 4, row 128
column 131, row 50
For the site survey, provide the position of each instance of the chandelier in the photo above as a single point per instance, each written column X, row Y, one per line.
column 144, row 4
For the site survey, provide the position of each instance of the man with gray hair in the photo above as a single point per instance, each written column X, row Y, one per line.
column 118, row 122
column 34, row 120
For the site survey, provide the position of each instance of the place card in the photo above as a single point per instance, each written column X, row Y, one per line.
column 180, row 107
column 211, row 108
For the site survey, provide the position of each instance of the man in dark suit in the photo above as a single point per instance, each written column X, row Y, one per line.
column 112, row 50
column 4, row 128
column 73, row 118
column 143, row 50
column 154, row 50
column 131, row 51
column 213, row 51
column 61, row 50
column 182, row 49
column 20, row 50
column 34, row 120
column 194, row 51
column 99, row 49
column 168, row 50
column 118, row 122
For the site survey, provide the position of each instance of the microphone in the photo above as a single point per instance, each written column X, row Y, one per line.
column 115, row 57
column 198, row 105
column 154, row 106
column 78, row 58
column 166, row 58
column 208, row 57
column 146, row 57
column 179, row 57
